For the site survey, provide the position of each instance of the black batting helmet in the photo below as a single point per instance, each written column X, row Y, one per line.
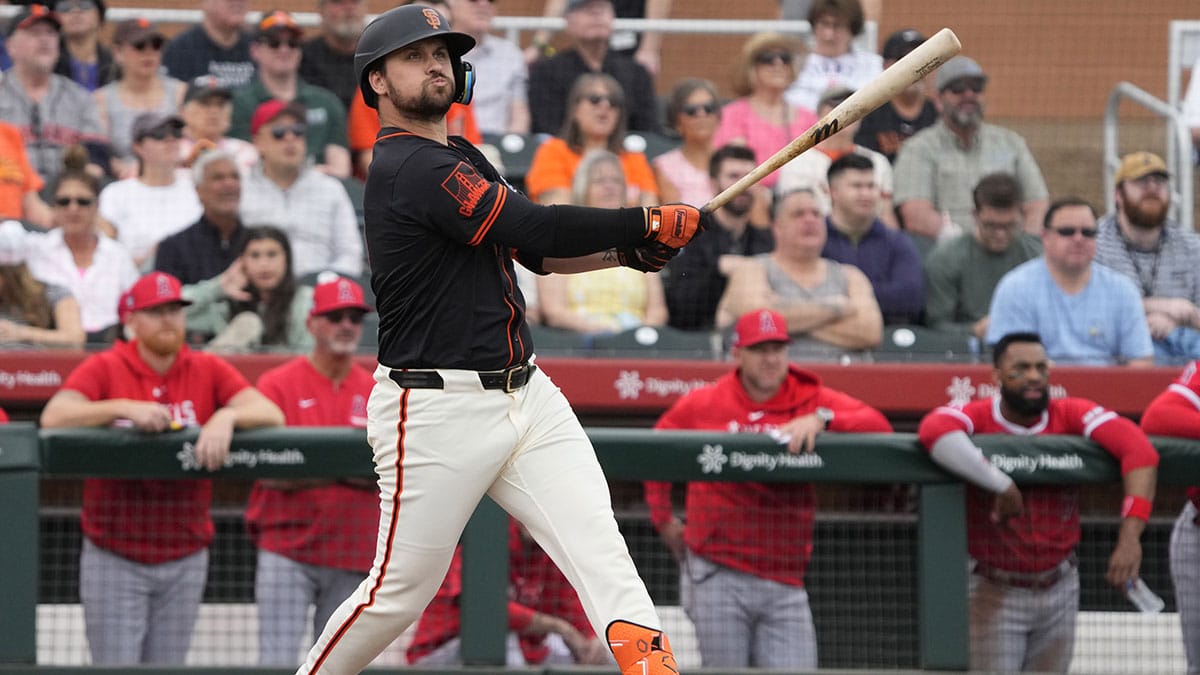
column 402, row 26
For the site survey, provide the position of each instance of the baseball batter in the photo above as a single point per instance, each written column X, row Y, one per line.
column 459, row 408
column 1176, row 412
column 145, row 547
column 1024, row 586
column 746, row 546
column 315, row 537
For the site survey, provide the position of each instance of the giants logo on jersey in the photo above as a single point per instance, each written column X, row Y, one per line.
column 466, row 186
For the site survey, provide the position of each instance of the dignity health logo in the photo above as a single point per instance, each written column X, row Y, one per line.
column 712, row 459
column 242, row 457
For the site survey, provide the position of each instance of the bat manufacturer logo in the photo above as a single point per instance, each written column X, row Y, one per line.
column 825, row 131
column 432, row 18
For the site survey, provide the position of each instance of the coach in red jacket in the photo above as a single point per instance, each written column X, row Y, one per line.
column 1024, row 587
column 746, row 546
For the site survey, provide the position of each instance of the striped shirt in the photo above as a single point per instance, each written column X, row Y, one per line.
column 1169, row 271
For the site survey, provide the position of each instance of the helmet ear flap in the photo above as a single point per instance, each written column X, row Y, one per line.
column 464, row 82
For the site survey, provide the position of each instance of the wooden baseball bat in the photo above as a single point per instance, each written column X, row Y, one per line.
column 912, row 67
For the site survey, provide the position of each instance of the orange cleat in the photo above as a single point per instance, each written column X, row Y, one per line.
column 640, row 650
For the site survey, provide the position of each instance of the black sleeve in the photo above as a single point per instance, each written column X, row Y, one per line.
column 446, row 190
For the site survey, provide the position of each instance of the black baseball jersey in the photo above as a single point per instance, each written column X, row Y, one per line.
column 884, row 130
column 442, row 230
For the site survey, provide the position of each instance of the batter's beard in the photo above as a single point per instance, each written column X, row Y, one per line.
column 1016, row 401
column 1148, row 214
column 425, row 106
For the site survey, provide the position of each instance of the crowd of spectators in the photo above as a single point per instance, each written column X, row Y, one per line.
column 163, row 194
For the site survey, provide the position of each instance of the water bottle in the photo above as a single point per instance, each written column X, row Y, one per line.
column 1142, row 597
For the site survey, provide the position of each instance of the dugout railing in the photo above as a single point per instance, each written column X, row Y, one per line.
column 28, row 456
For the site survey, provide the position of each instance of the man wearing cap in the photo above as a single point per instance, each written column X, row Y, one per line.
column 589, row 26
column 311, row 207
column 158, row 201
column 210, row 245
column 745, row 546
column 327, row 60
column 938, row 167
column 886, row 128
column 207, row 114
column 51, row 111
column 1140, row 241
column 276, row 50
column 217, row 46
column 145, row 548
column 82, row 57
column 315, row 537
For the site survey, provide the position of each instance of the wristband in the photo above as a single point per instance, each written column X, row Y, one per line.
column 1136, row 507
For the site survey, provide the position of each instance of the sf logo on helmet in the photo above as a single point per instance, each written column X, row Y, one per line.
column 432, row 18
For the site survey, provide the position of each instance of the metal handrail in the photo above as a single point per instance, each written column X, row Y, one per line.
column 1178, row 141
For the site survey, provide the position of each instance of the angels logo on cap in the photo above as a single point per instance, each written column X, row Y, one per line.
column 338, row 293
column 758, row 326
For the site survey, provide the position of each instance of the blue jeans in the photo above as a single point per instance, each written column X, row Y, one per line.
column 1181, row 346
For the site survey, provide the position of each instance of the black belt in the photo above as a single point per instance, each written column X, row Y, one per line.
column 508, row 380
column 1034, row 580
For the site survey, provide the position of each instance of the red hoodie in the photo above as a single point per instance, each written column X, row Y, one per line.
column 764, row 529
column 153, row 521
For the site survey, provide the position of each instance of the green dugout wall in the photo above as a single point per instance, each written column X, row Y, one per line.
column 26, row 455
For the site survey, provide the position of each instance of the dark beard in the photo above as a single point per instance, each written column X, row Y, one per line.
column 1148, row 214
column 1023, row 406
column 740, row 205
column 425, row 106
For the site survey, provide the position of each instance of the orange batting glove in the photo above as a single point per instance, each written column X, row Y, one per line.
column 674, row 225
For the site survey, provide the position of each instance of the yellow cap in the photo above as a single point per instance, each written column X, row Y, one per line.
column 1139, row 164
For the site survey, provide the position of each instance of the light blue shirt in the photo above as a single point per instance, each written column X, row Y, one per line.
column 1101, row 325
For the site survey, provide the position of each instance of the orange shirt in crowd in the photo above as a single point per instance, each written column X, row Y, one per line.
column 555, row 162
column 17, row 177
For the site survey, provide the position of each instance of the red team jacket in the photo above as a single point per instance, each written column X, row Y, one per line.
column 153, row 521
column 332, row 525
column 535, row 585
column 1047, row 532
column 1176, row 412
column 764, row 529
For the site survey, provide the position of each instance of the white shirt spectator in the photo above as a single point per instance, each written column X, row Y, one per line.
column 820, row 73
column 502, row 77
column 96, row 288
column 146, row 214
column 317, row 215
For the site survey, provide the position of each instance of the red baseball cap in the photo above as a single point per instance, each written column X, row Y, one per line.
column 269, row 111
column 759, row 326
column 152, row 290
column 338, row 293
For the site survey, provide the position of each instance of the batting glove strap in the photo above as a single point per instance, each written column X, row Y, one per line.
column 646, row 258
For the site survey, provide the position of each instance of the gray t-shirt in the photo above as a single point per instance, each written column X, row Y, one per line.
column 54, row 295
column 804, row 347
column 1170, row 271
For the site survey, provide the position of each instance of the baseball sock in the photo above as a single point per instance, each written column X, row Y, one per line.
column 640, row 650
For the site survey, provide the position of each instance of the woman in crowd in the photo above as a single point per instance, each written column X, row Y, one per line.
column 693, row 111
column 762, row 119
column 607, row 300
column 140, row 87
column 833, row 62
column 159, row 201
column 76, row 255
column 256, row 302
column 595, row 121
column 32, row 312
column 82, row 57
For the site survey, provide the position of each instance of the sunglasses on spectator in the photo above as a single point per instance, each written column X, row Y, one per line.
column 961, row 86
column 155, row 43
column 697, row 109
column 337, row 316
column 597, row 99
column 275, row 43
column 768, row 58
column 74, row 6
column 163, row 133
column 279, row 131
column 80, row 201
column 1068, row 232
